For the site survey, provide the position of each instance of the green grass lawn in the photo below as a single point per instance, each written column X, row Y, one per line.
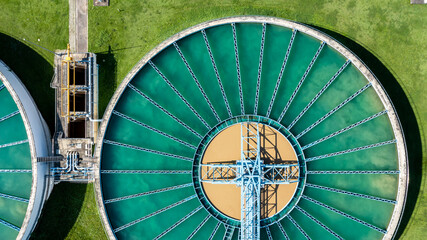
column 390, row 36
column 70, row 213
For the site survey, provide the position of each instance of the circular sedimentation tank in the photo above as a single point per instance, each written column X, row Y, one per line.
column 181, row 104
column 24, row 136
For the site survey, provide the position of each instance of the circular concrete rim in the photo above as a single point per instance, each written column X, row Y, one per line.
column 394, row 120
column 269, row 220
column 25, row 119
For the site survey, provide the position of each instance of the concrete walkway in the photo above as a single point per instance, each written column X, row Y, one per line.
column 78, row 25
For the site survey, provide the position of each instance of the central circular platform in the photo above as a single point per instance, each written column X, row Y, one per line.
column 225, row 148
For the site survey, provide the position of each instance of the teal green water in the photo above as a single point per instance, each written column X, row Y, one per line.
column 291, row 230
column 276, row 44
column 346, row 228
column 206, row 230
column 314, row 230
column 8, row 233
column 222, row 45
column 13, row 157
column 197, row 55
column 370, row 211
column 221, row 42
column 8, row 105
column 302, row 53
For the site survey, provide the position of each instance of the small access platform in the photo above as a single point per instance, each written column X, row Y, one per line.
column 76, row 124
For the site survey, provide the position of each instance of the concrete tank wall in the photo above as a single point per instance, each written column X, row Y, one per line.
column 40, row 146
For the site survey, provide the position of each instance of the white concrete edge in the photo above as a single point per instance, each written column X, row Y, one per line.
column 398, row 132
column 39, row 141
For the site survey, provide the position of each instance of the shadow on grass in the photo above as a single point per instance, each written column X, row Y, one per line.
column 34, row 72
column 60, row 212
column 406, row 115
column 107, row 78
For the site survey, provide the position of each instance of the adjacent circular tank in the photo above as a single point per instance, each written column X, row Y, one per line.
column 24, row 136
column 314, row 93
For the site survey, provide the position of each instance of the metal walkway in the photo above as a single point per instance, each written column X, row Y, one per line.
column 9, row 225
column 267, row 229
column 334, row 110
column 13, row 143
column 179, row 94
column 164, row 110
column 318, row 222
column 355, row 172
column 344, row 129
column 318, row 94
column 178, row 222
column 147, row 193
column 2, row 195
column 344, row 214
column 214, row 230
column 282, row 70
column 283, row 230
column 196, row 81
column 351, row 150
column 261, row 54
column 350, row 193
column 147, row 150
column 228, row 233
column 154, row 213
column 15, row 170
column 239, row 78
column 153, row 129
column 202, row 223
column 146, row 172
column 299, row 227
column 301, row 82
column 224, row 97
column 9, row 116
